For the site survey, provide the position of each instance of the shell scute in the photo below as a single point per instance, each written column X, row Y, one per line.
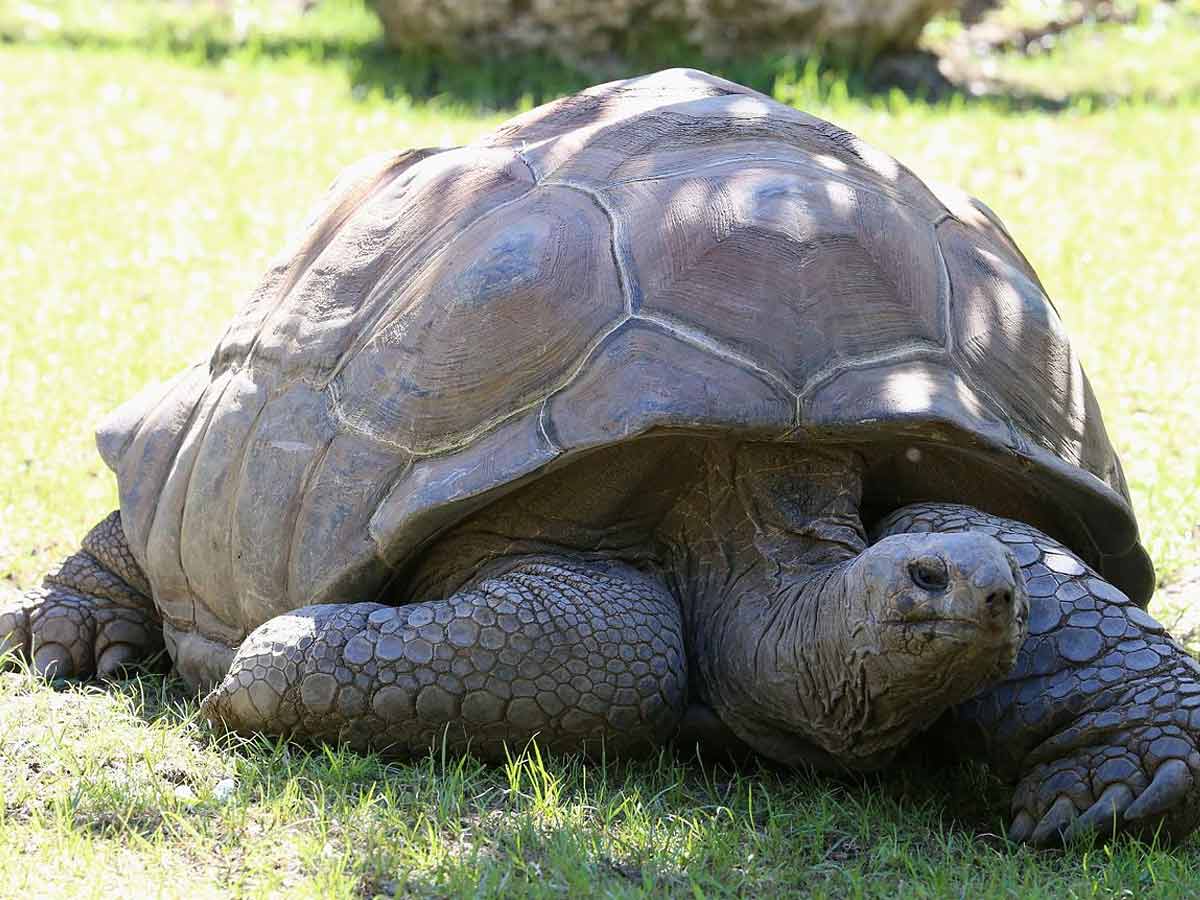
column 646, row 376
column 163, row 517
column 334, row 296
column 1010, row 339
column 438, row 490
column 206, row 536
column 331, row 556
column 921, row 398
column 795, row 271
column 292, row 435
column 140, row 442
column 325, row 224
column 491, row 328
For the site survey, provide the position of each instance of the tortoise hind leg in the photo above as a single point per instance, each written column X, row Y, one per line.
column 92, row 616
column 579, row 655
column 1099, row 720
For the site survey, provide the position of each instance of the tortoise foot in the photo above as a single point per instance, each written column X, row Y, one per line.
column 63, row 634
column 1131, row 768
column 1098, row 723
column 92, row 616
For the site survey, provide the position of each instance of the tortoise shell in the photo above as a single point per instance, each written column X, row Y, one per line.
column 668, row 253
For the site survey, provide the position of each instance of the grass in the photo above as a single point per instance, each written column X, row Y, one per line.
column 156, row 156
column 113, row 789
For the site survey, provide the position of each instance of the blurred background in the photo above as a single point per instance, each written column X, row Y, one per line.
column 156, row 153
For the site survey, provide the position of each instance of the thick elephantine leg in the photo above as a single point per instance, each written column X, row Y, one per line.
column 583, row 656
column 1099, row 721
column 93, row 615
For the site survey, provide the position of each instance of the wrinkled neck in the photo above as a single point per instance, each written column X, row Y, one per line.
column 785, row 672
column 761, row 546
column 802, row 504
column 758, row 519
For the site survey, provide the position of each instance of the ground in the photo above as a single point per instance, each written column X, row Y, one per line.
column 153, row 165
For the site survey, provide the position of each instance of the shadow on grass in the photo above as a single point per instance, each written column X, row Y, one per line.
column 376, row 70
column 937, row 808
column 959, row 797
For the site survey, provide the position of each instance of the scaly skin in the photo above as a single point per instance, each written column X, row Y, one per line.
column 583, row 656
column 1099, row 721
column 586, row 655
column 812, row 647
column 93, row 616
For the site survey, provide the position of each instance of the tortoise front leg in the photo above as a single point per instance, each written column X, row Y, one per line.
column 91, row 616
column 1099, row 720
column 581, row 656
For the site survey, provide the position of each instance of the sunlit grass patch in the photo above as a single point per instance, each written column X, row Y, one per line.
column 1150, row 59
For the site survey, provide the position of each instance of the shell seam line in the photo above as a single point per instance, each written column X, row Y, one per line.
column 315, row 247
column 381, row 318
column 240, row 469
column 911, row 351
column 997, row 408
column 947, row 294
column 166, row 391
column 302, row 493
column 630, row 289
column 633, row 304
column 705, row 342
column 584, row 358
column 346, row 424
column 383, row 498
column 187, row 486
column 191, row 418
column 520, row 154
column 700, row 167
column 542, row 414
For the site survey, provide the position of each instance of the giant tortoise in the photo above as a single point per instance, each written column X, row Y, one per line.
column 663, row 411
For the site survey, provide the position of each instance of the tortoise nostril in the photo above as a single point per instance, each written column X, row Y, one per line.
column 999, row 599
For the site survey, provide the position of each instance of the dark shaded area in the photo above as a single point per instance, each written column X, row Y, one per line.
column 529, row 79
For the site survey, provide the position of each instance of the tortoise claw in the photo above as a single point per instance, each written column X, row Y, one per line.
column 1021, row 828
column 53, row 661
column 14, row 629
column 116, row 657
column 1104, row 816
column 1172, row 782
column 1054, row 823
column 1129, row 784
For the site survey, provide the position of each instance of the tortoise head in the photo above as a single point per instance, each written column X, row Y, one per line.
column 950, row 611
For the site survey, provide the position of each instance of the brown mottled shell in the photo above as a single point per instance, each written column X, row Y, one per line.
column 670, row 252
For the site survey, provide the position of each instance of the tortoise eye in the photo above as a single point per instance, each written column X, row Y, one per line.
column 929, row 574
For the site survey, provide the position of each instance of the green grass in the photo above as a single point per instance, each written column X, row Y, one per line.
column 156, row 157
column 120, row 790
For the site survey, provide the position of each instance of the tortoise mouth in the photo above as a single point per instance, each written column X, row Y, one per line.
column 956, row 629
column 950, row 627
column 950, row 621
